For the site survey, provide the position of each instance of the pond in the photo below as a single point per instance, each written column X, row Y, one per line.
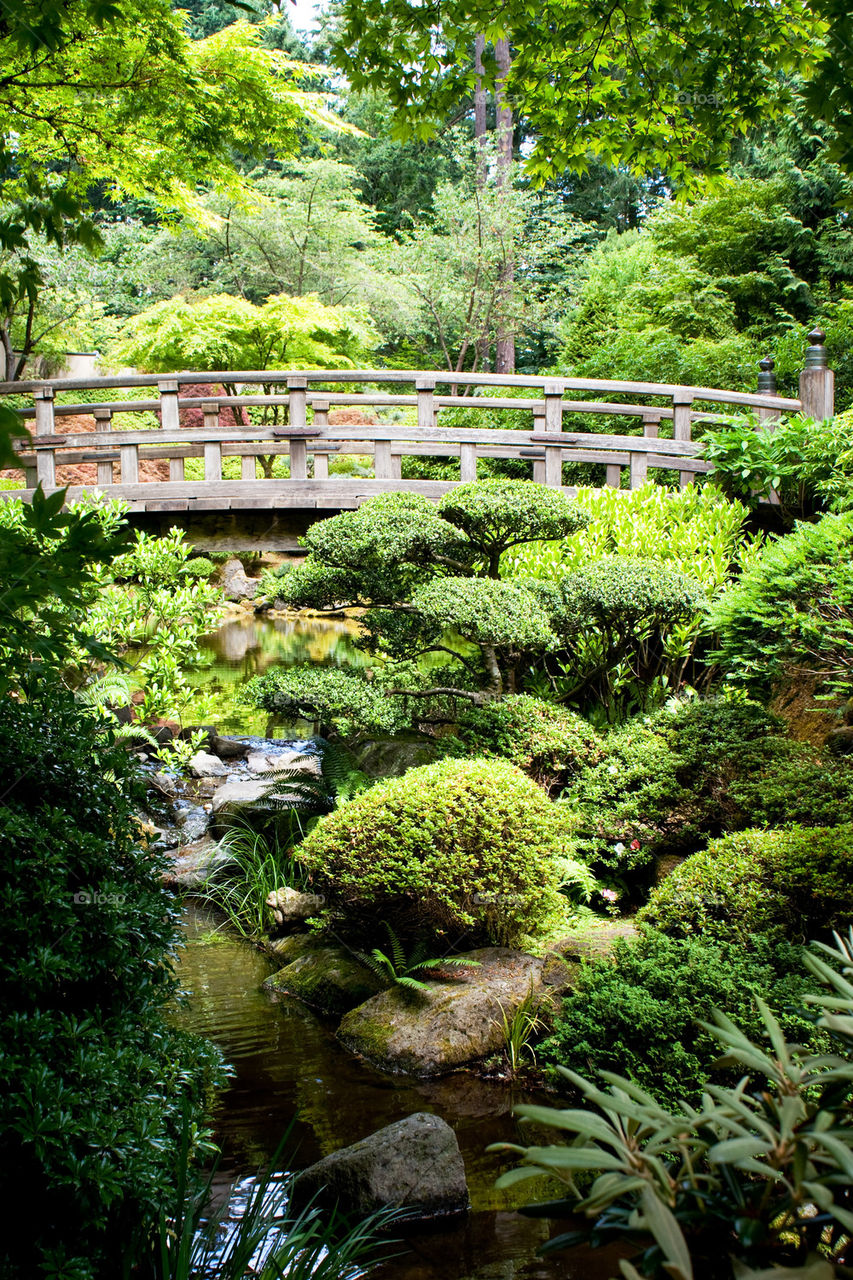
column 289, row 1070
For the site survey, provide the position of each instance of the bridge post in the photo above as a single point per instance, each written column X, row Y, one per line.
column 297, row 407
column 170, row 420
column 539, row 463
column 45, row 426
column 425, row 387
column 321, row 420
column 212, row 448
column 553, row 393
column 767, row 387
column 681, row 427
column 817, row 380
column 104, row 422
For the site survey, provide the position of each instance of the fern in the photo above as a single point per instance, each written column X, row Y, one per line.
column 398, row 969
column 339, row 780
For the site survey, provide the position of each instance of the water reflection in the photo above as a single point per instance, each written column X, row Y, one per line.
column 247, row 646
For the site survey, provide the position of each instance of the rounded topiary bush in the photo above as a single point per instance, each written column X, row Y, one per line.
column 462, row 848
column 788, row 884
column 547, row 741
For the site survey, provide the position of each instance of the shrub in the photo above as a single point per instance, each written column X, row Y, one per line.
column 198, row 567
column 94, row 1080
column 698, row 769
column 545, row 740
column 791, row 613
column 637, row 1012
column 786, row 884
column 458, row 848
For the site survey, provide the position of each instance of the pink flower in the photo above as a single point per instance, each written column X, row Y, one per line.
column 609, row 895
column 635, row 844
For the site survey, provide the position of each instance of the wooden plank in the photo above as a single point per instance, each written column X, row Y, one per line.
column 321, row 466
column 382, row 459
column 298, row 460
column 468, row 462
column 212, row 461
column 129, row 466
column 614, row 475
column 553, row 467
column 168, row 504
column 248, row 467
column 639, row 469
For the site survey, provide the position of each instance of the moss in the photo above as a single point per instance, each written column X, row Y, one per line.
column 327, row 979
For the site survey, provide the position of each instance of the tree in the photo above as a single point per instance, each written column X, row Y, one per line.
column 117, row 98
column 647, row 84
column 425, row 573
column 456, row 268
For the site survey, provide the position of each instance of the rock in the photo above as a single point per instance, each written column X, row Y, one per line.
column 390, row 757
column 164, row 783
column 236, row 584
column 193, row 822
column 275, row 761
column 195, row 864
column 595, row 939
column 204, row 765
column 291, row 908
column 227, row 748
column 414, row 1164
column 840, row 741
column 452, row 1023
column 237, row 793
column 325, row 976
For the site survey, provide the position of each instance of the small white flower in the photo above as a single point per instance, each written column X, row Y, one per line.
column 619, row 848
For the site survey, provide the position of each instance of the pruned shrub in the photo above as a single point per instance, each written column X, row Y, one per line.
column 547, row 741
column 637, row 1012
column 461, row 848
column 793, row 884
column 696, row 770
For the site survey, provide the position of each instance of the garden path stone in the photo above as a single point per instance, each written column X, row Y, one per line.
column 454, row 1022
column 414, row 1164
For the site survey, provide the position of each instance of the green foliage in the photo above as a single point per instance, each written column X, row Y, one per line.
column 198, row 567
column 788, row 884
column 695, row 770
column 808, row 464
column 496, row 515
column 626, row 630
column 334, row 700
column 547, row 741
column 94, row 1079
column 398, row 969
column 49, row 569
column 714, row 73
column 695, row 530
column 485, row 611
column 791, row 612
column 458, row 848
column 637, row 1011
column 756, row 1178
column 223, row 332
column 520, row 1029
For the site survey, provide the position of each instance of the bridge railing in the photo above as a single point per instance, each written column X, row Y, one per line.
column 297, row 403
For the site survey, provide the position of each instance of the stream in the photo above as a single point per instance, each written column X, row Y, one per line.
column 289, row 1070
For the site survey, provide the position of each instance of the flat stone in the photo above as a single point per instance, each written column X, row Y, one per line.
column 204, row 765
column 452, row 1023
column 236, row 793
column 290, row 908
column 414, row 1164
column 325, row 976
column 595, row 940
column 193, row 823
column 275, row 761
column 227, row 748
column 195, row 864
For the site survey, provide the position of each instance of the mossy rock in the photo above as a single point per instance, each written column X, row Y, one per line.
column 328, row 978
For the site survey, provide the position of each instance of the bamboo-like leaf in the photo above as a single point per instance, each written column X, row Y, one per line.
column 662, row 1224
column 733, row 1150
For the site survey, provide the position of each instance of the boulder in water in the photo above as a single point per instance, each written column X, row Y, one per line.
column 414, row 1165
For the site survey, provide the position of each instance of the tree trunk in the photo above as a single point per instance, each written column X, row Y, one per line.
column 505, row 347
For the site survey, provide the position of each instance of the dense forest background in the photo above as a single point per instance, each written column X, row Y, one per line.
column 439, row 250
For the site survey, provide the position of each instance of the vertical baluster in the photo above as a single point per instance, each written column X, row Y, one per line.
column 321, row 421
column 212, row 448
column 468, row 461
column 614, row 475
column 681, row 427
column 104, row 422
column 553, row 466
column 425, row 387
column 382, row 459
column 553, row 406
column 639, row 469
column 129, row 463
column 651, row 425
column 297, row 405
column 538, row 427
column 170, row 422
column 45, row 426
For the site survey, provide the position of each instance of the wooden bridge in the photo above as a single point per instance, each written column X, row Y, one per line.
column 291, row 416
